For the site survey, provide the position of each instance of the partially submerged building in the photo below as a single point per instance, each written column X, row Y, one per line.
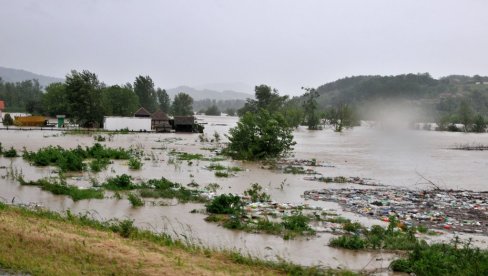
column 2, row 107
column 184, row 124
column 160, row 122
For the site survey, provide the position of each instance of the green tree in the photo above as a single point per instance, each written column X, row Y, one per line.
column 119, row 101
column 83, row 94
column 55, row 100
column 144, row 89
column 164, row 100
column 465, row 114
column 266, row 98
column 7, row 120
column 479, row 124
column 230, row 111
column 182, row 105
column 341, row 117
column 260, row 135
column 212, row 111
column 310, row 108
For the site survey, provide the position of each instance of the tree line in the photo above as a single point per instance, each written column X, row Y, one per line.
column 83, row 98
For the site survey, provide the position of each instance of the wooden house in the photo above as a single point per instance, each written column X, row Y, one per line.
column 184, row 123
column 142, row 112
column 160, row 122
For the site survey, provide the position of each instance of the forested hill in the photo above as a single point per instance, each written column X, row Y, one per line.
column 444, row 93
column 16, row 75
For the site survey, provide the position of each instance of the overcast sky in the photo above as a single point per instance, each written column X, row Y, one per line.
column 285, row 44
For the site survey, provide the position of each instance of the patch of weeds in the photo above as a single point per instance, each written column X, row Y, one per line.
column 62, row 188
column 10, row 153
column 255, row 193
column 221, row 174
column 99, row 164
column 135, row 200
column 120, row 183
column 135, row 163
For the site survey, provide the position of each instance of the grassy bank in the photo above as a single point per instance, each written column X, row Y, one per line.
column 46, row 243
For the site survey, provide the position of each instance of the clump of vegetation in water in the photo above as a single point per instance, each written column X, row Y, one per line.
column 99, row 164
column 444, row 259
column 221, row 170
column 228, row 211
column 393, row 237
column 221, row 174
column 62, row 188
column 255, row 193
column 185, row 156
column 164, row 188
column 135, row 163
column 259, row 136
column 10, row 153
column 72, row 159
column 135, row 200
column 120, row 183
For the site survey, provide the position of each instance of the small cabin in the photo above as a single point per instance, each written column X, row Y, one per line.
column 160, row 122
column 142, row 113
column 184, row 123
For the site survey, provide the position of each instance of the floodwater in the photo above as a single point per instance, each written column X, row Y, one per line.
column 401, row 158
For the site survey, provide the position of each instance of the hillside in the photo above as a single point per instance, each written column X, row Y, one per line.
column 16, row 75
column 202, row 94
column 443, row 94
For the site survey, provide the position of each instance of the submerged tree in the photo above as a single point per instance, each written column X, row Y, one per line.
column 266, row 98
column 465, row 114
column 259, row 136
column 341, row 117
column 479, row 124
column 212, row 111
column 310, row 108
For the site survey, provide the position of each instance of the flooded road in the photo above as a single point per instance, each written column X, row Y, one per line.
column 394, row 158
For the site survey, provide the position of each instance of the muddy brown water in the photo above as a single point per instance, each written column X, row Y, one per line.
column 393, row 157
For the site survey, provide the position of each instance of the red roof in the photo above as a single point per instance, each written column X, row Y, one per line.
column 2, row 105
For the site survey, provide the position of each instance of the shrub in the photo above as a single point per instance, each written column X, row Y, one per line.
column 348, row 242
column 119, row 183
column 99, row 164
column 7, row 120
column 134, row 163
column 221, row 174
column 259, row 136
column 10, row 153
column 225, row 204
column 255, row 193
column 296, row 222
column 135, row 200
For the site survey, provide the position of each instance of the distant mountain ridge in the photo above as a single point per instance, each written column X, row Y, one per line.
column 202, row 94
column 17, row 75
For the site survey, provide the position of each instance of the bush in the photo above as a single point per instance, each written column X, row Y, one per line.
column 134, row 163
column 348, row 242
column 225, row 204
column 61, row 188
column 259, row 136
column 99, row 164
column 296, row 222
column 255, row 193
column 10, row 153
column 221, row 174
column 135, row 200
column 7, row 120
column 120, row 183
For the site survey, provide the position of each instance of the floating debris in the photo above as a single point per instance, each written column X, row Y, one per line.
column 462, row 211
column 342, row 179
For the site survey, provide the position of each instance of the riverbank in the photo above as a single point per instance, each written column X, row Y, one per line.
column 45, row 243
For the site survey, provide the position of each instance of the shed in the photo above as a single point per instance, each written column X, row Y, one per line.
column 142, row 112
column 160, row 120
column 184, row 123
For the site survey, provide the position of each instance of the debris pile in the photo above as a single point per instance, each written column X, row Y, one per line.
column 342, row 179
column 462, row 211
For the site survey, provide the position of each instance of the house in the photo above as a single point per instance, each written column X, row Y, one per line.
column 184, row 123
column 142, row 112
column 160, row 122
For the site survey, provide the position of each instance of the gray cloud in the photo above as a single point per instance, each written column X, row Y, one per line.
column 283, row 43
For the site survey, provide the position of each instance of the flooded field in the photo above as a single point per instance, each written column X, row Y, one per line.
column 399, row 158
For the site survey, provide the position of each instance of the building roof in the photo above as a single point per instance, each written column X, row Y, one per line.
column 160, row 116
column 142, row 112
column 184, row 120
column 2, row 105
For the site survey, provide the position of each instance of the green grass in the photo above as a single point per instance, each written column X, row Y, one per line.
column 50, row 253
column 135, row 200
column 135, row 163
column 61, row 188
column 72, row 159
